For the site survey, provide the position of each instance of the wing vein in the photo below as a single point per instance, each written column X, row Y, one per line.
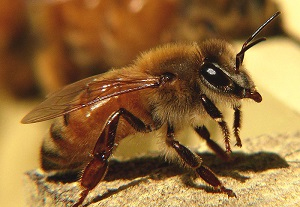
column 85, row 93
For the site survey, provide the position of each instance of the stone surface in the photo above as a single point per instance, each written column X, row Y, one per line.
column 265, row 173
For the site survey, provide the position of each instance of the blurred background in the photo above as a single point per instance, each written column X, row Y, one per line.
column 47, row 44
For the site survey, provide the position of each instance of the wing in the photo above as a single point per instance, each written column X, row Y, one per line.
column 85, row 93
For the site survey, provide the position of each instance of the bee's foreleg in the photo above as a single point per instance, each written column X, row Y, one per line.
column 237, row 126
column 216, row 114
column 96, row 169
column 195, row 162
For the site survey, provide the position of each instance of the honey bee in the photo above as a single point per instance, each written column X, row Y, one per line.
column 168, row 88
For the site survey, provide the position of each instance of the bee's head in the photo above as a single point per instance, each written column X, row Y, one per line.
column 219, row 73
column 223, row 72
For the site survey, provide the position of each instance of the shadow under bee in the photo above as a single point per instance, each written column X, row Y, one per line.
column 240, row 162
column 140, row 170
column 155, row 168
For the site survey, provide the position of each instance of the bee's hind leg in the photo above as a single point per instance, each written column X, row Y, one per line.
column 96, row 169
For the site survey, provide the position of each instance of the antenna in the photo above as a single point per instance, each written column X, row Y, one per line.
column 246, row 46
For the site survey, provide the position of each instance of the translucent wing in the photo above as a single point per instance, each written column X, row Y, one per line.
column 84, row 93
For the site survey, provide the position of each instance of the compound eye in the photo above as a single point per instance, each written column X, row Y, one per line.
column 214, row 75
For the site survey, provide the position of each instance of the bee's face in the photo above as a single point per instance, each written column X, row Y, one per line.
column 218, row 72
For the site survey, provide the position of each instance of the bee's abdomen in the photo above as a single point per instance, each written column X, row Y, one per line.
column 55, row 151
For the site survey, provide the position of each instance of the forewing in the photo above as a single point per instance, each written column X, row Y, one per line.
column 84, row 93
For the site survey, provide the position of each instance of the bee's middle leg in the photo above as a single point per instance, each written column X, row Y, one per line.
column 195, row 162
column 204, row 133
column 96, row 169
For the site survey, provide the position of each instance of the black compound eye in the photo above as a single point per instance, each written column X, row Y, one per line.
column 214, row 75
